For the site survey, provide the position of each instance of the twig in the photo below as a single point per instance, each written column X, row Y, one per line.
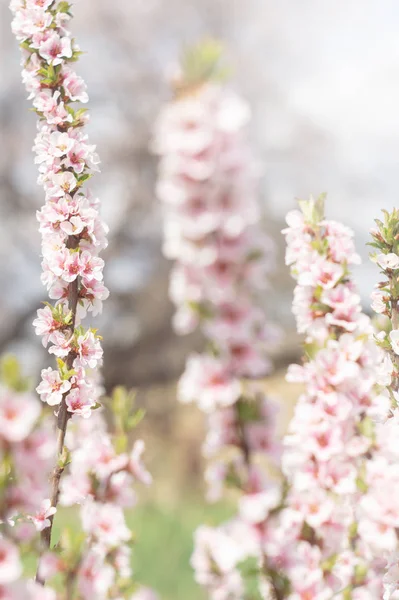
column 62, row 417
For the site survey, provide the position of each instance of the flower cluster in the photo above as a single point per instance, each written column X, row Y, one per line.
column 101, row 479
column 339, row 519
column 208, row 187
column 385, row 302
column 72, row 232
column 27, row 453
column 95, row 559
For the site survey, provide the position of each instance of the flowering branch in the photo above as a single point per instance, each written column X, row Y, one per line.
column 208, row 186
column 104, row 471
column 72, row 232
column 385, row 297
column 385, row 239
column 335, row 445
column 26, row 456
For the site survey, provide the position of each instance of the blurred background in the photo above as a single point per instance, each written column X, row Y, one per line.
column 322, row 79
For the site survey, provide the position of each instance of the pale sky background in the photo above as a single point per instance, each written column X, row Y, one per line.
column 321, row 76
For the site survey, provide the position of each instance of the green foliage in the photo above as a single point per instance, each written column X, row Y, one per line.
column 328, row 564
column 65, row 373
column 77, row 115
column 64, row 7
column 248, row 410
column 59, row 315
column 313, row 210
column 162, row 557
column 366, row 427
column 386, row 237
column 361, row 477
column 203, row 311
column 11, row 376
column 202, row 63
column 50, row 75
column 123, row 415
column 65, row 458
column 83, row 178
column 255, row 254
column 249, row 570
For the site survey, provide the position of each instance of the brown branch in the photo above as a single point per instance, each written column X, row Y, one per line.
column 243, row 439
column 63, row 415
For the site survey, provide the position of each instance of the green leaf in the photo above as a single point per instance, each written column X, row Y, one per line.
column 120, row 443
column 328, row 564
column 26, row 46
column 65, row 459
column 313, row 210
column 347, row 594
column 366, row 427
column 361, row 485
column 64, row 7
column 255, row 255
column 84, row 178
column 201, row 63
column 203, row 311
column 135, row 419
column 360, row 574
column 248, row 410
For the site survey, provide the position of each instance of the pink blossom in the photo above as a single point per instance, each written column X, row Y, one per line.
column 91, row 267
column 45, row 324
column 62, row 344
column 78, row 401
column 64, row 183
column 77, row 157
column 18, row 414
column 41, row 520
column 46, row 101
column 55, row 49
column 321, row 272
column 38, row 3
column 255, row 508
column 388, row 261
column 89, row 349
column 135, row 465
column 394, row 338
column 391, row 578
column 94, row 577
column 217, row 553
column 74, row 86
column 379, row 301
column 106, row 523
column 50, row 564
column 60, row 143
column 10, row 563
column 207, row 382
column 71, row 267
column 52, row 387
column 75, row 490
column 37, row 592
column 29, row 21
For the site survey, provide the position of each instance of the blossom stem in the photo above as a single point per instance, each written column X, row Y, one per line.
column 277, row 593
column 244, row 442
column 63, row 414
column 395, row 325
